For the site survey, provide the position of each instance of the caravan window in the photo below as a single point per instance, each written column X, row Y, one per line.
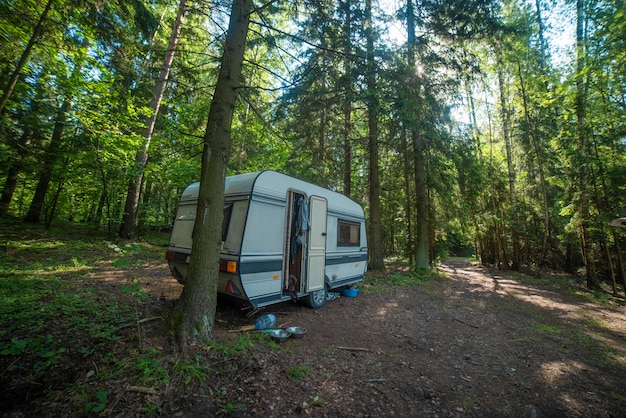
column 349, row 233
column 228, row 210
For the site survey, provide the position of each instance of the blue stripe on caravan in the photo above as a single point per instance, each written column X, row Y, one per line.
column 260, row 266
column 277, row 265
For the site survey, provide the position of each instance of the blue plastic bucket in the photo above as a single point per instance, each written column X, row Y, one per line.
column 350, row 293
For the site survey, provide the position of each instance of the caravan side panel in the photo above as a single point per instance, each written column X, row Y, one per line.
column 261, row 259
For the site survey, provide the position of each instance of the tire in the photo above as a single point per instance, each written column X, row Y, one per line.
column 316, row 299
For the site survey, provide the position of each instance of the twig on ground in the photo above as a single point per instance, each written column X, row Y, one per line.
column 352, row 348
column 380, row 390
column 426, row 313
column 142, row 389
column 469, row 325
column 139, row 322
column 242, row 329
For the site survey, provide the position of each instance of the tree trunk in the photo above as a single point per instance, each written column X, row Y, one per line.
column 129, row 216
column 583, row 202
column 55, row 198
column 194, row 315
column 620, row 262
column 608, row 262
column 347, row 152
column 506, row 129
column 22, row 147
column 37, row 31
column 422, row 243
column 407, row 200
column 347, row 104
column 377, row 260
column 146, row 195
column 542, row 39
column 473, row 119
column 534, row 139
column 54, row 148
column 321, row 147
column 15, row 167
column 104, row 196
column 47, row 170
column 241, row 152
column 97, row 218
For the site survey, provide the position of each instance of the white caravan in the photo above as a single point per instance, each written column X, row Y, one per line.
column 282, row 239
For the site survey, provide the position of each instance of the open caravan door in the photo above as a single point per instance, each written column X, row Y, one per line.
column 317, row 252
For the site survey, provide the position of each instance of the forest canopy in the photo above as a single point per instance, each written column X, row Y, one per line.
column 479, row 127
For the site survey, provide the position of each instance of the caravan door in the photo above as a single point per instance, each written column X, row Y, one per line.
column 317, row 244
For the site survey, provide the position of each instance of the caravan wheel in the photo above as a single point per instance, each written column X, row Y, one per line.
column 316, row 299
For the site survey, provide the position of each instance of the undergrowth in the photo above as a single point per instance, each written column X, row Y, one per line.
column 65, row 330
column 58, row 325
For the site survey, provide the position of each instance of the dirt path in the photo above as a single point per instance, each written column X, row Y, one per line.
column 477, row 344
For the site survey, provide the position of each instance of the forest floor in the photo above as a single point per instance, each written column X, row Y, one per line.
column 470, row 341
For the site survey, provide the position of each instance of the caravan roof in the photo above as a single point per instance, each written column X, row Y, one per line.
column 272, row 184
